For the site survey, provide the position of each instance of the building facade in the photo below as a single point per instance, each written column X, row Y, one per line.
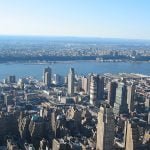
column 105, row 129
column 71, row 78
column 47, row 76
column 120, row 105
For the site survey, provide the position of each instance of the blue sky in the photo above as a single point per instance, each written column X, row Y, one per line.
column 88, row 18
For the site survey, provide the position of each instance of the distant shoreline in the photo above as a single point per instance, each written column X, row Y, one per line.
column 70, row 61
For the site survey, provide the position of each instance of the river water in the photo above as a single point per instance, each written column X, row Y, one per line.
column 81, row 67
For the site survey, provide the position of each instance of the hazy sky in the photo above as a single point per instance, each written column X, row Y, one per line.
column 98, row 18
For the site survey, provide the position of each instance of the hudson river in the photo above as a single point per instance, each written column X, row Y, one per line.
column 81, row 67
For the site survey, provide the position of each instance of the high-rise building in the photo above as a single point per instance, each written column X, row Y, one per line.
column 93, row 90
column 11, row 79
column 100, row 87
column 48, row 79
column 71, row 78
column 47, row 76
column 85, row 84
column 131, row 136
column 89, row 83
column 120, row 105
column 96, row 89
column 112, row 92
column 105, row 128
column 57, row 79
column 130, row 97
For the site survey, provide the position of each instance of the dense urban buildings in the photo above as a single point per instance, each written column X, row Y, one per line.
column 48, row 49
column 74, row 75
column 96, row 111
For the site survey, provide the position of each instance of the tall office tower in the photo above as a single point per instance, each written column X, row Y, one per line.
column 71, row 78
column 11, row 79
column 47, row 76
column 130, row 97
column 89, row 82
column 120, row 105
column 100, row 88
column 131, row 136
column 84, row 81
column 96, row 89
column 105, row 128
column 112, row 92
column 93, row 90
column 57, row 79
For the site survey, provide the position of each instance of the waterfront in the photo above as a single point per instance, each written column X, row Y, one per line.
column 83, row 68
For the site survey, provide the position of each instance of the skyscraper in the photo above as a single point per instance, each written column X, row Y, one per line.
column 100, row 88
column 120, row 105
column 47, row 76
column 130, row 97
column 112, row 92
column 96, row 89
column 71, row 78
column 131, row 136
column 57, row 79
column 89, row 82
column 85, row 84
column 105, row 128
column 11, row 79
column 93, row 90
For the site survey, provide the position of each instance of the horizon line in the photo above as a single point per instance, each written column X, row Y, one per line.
column 74, row 36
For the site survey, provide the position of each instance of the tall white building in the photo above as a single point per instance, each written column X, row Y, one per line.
column 71, row 78
column 96, row 89
column 93, row 90
column 85, row 84
column 105, row 128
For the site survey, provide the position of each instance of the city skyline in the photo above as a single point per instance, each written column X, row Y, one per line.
column 74, row 75
column 113, row 19
column 61, row 116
